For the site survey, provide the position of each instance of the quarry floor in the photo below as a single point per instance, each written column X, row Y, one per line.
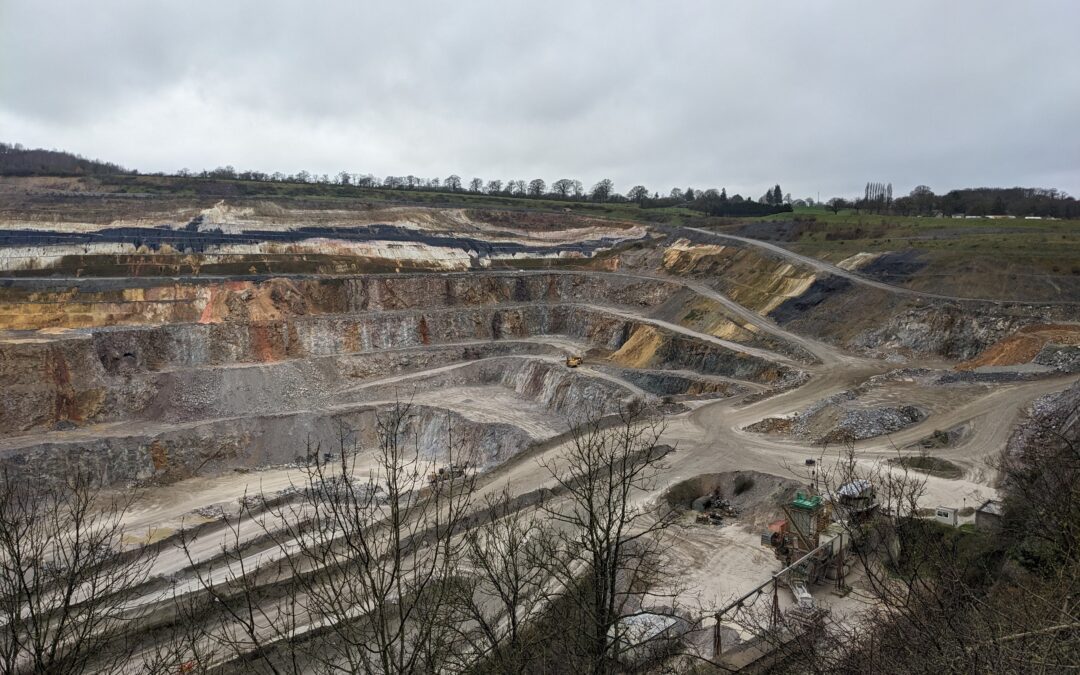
column 708, row 437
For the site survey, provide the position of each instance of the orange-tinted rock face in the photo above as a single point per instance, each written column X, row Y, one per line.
column 163, row 378
column 267, row 343
column 159, row 455
column 99, row 304
column 351, row 338
column 1023, row 345
column 47, row 382
column 174, row 303
column 425, row 334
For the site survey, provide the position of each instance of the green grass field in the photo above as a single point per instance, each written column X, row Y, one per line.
column 981, row 257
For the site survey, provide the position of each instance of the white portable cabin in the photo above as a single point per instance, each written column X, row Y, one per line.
column 946, row 515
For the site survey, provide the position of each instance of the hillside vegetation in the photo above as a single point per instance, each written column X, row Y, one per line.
column 15, row 160
column 985, row 242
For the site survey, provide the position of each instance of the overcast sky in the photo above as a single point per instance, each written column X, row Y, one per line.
column 819, row 96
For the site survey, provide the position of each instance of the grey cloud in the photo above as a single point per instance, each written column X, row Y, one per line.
column 819, row 96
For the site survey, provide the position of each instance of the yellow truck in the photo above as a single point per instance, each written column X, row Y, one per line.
column 573, row 361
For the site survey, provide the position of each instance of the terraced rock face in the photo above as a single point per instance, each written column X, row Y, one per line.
column 164, row 381
column 855, row 316
column 266, row 355
column 265, row 238
column 162, row 378
column 38, row 304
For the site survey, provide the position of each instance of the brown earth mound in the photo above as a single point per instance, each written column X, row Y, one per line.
column 1023, row 345
column 772, row 425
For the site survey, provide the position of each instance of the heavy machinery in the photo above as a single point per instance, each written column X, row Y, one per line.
column 446, row 473
column 810, row 536
column 573, row 361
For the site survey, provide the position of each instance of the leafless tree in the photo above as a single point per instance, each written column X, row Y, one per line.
column 876, row 542
column 64, row 580
column 607, row 538
column 946, row 600
column 353, row 576
column 563, row 187
column 638, row 193
column 501, row 585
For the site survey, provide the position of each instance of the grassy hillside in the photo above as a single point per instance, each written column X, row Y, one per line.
column 998, row 258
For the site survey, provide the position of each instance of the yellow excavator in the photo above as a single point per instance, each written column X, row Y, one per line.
column 573, row 361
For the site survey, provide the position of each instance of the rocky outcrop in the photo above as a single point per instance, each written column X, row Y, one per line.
column 682, row 384
column 167, row 453
column 50, row 382
column 1052, row 421
column 950, row 330
column 37, row 304
column 1064, row 358
column 873, row 422
column 97, row 375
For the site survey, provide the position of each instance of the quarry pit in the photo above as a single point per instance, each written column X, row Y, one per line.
column 201, row 372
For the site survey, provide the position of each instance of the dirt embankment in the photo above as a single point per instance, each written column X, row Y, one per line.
column 854, row 316
column 1024, row 345
column 755, row 281
column 755, row 495
column 646, row 346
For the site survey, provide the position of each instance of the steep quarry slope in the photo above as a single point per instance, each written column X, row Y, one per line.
column 207, row 389
column 867, row 318
column 162, row 379
column 211, row 368
column 154, row 377
column 1052, row 346
column 38, row 304
column 1051, row 424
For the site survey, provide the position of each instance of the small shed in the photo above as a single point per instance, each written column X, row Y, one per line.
column 946, row 515
column 988, row 516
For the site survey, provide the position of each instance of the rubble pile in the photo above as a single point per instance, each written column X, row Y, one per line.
column 1065, row 358
column 859, row 424
column 712, row 509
